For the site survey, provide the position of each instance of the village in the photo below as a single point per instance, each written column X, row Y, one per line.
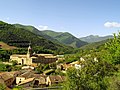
column 59, row 45
column 28, row 78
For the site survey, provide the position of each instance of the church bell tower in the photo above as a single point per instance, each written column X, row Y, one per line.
column 29, row 52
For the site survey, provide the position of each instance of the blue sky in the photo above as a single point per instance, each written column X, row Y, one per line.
column 79, row 17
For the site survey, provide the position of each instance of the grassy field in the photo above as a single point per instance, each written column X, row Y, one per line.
column 6, row 47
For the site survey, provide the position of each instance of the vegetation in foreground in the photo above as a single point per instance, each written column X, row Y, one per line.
column 101, row 75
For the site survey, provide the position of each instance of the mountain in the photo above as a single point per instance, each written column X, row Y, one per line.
column 95, row 38
column 52, row 33
column 65, row 38
column 35, row 31
column 21, row 37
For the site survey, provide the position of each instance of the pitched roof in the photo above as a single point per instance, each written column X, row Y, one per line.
column 50, row 56
column 6, row 75
column 41, row 78
column 26, row 81
column 20, row 56
column 15, row 73
column 57, row 78
column 45, row 54
column 27, row 74
column 38, row 76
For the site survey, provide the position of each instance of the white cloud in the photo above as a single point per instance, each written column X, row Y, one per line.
column 42, row 27
column 112, row 24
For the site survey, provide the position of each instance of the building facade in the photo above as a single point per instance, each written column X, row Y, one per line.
column 30, row 58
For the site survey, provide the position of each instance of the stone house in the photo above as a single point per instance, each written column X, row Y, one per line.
column 54, row 79
column 27, row 83
column 40, row 80
column 23, row 76
column 7, row 78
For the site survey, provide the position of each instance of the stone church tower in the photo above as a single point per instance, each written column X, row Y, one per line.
column 29, row 54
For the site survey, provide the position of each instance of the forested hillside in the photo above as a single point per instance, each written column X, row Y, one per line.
column 65, row 38
column 35, row 31
column 21, row 37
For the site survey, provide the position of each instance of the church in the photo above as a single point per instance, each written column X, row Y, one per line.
column 29, row 58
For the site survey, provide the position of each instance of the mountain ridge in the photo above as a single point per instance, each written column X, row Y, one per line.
column 65, row 38
column 58, row 37
column 95, row 38
column 21, row 37
column 35, row 31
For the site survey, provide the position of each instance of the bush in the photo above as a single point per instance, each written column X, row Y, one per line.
column 90, row 77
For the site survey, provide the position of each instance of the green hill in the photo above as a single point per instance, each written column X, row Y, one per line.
column 65, row 38
column 21, row 37
column 35, row 31
column 52, row 33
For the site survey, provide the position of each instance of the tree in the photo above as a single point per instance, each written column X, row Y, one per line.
column 112, row 53
column 90, row 77
column 3, row 67
column 113, row 82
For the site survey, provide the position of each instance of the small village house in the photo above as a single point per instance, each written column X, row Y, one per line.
column 40, row 80
column 54, row 79
column 23, row 77
column 27, row 83
column 7, row 78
